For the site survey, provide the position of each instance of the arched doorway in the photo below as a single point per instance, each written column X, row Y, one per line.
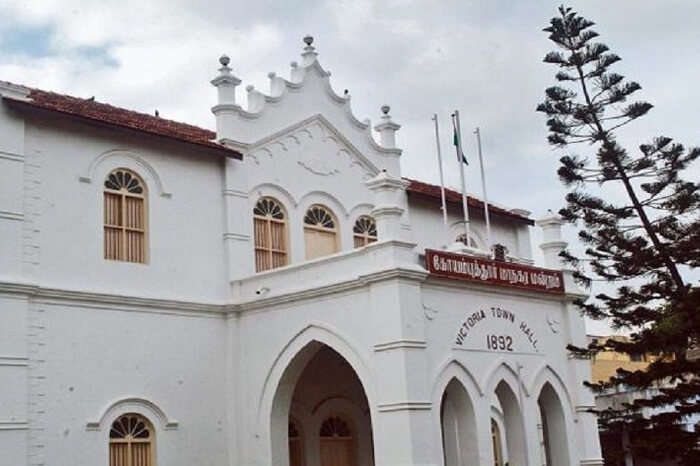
column 512, row 424
column 459, row 438
column 555, row 442
column 333, row 427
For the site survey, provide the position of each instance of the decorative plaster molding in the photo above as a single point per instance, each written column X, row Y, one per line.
column 14, row 425
column 235, row 193
column 7, row 215
column 400, row 344
column 143, row 165
column 237, row 236
column 404, row 406
column 14, row 361
column 278, row 136
column 132, row 404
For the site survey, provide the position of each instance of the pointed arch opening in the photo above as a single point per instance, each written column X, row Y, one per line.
column 338, row 431
column 552, row 428
column 458, row 424
column 515, row 448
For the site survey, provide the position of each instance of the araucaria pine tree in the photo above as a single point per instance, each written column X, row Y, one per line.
column 640, row 223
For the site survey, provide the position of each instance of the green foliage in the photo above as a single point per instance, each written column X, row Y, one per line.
column 640, row 244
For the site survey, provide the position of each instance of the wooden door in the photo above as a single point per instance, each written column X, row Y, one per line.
column 337, row 451
column 337, row 444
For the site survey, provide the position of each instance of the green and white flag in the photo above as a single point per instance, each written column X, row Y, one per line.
column 457, row 145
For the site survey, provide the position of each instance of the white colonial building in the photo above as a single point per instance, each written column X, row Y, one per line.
column 271, row 294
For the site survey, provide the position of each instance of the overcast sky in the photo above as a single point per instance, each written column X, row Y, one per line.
column 421, row 57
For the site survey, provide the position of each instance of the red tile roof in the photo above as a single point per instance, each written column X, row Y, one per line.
column 92, row 110
column 432, row 192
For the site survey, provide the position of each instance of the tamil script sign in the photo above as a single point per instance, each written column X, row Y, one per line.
column 475, row 269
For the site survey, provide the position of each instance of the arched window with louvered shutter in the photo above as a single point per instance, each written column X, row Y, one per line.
column 131, row 441
column 320, row 232
column 270, row 231
column 125, row 219
column 364, row 231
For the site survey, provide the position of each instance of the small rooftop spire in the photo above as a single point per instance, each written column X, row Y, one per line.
column 387, row 129
column 225, row 82
column 309, row 53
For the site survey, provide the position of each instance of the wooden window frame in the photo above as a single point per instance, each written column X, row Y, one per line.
column 335, row 230
column 151, row 440
column 269, row 220
column 365, row 237
column 123, row 228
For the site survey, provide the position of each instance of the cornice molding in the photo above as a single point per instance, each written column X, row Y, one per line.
column 11, row 156
column 14, row 425
column 112, row 301
column 400, row 344
column 15, row 361
column 7, row 215
column 404, row 406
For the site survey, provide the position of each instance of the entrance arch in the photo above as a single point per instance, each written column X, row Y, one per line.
column 458, row 424
column 317, row 379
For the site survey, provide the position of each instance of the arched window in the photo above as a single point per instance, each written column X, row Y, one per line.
column 337, row 445
column 125, row 217
column 131, row 442
column 364, row 231
column 270, row 234
column 320, row 232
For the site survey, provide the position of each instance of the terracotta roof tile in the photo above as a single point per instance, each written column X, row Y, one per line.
column 432, row 191
column 116, row 116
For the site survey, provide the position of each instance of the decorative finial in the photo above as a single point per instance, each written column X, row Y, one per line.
column 346, row 92
column 224, row 60
column 308, row 40
column 385, row 109
column 249, row 87
column 294, row 64
column 271, row 74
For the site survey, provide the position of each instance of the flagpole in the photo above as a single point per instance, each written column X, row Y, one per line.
column 442, row 179
column 460, row 154
column 483, row 187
